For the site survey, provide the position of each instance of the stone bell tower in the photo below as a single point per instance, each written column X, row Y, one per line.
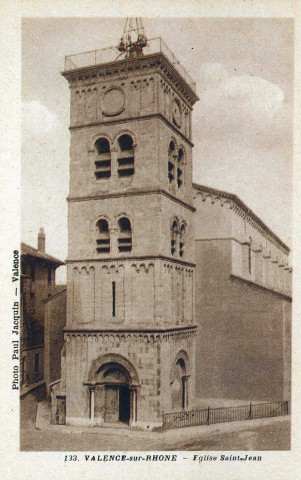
column 130, row 333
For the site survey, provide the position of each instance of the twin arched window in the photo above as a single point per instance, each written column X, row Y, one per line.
column 175, row 164
column 124, row 239
column 177, row 243
column 125, row 160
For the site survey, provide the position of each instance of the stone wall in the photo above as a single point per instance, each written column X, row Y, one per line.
column 152, row 355
column 55, row 321
column 257, row 254
column 33, row 372
column 149, row 292
column 243, row 344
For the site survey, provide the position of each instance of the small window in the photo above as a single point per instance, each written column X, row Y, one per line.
column 171, row 166
column 180, row 167
column 125, row 143
column 124, row 235
column 174, row 237
column 125, row 156
column 103, row 240
column 182, row 238
column 49, row 271
column 103, row 159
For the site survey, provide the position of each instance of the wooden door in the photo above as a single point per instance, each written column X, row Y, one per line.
column 112, row 404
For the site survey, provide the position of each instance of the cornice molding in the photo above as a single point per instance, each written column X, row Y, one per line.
column 117, row 121
column 261, row 287
column 131, row 334
column 132, row 330
column 156, row 62
column 133, row 258
column 133, row 193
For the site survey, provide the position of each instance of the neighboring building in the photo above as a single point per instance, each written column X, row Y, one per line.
column 175, row 291
column 37, row 283
column 55, row 321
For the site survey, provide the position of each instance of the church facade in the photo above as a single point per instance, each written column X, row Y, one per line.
column 175, row 291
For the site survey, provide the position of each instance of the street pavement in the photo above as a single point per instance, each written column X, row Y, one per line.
column 257, row 435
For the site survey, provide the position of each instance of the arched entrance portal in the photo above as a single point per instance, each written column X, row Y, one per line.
column 113, row 386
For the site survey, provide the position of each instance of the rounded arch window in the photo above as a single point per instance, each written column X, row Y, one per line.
column 174, row 237
column 180, row 167
column 182, row 239
column 180, row 366
column 125, row 143
column 172, row 146
column 103, row 158
column 125, row 159
column 179, row 395
column 124, row 235
column 171, row 165
column 103, row 236
column 102, row 145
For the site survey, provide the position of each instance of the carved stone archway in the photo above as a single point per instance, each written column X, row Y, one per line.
column 113, row 382
column 179, row 375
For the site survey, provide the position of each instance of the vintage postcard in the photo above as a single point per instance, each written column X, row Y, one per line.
column 150, row 165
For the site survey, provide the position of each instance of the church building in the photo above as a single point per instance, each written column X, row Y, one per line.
column 175, row 291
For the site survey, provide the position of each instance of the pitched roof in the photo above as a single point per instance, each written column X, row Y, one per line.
column 34, row 252
column 245, row 208
column 58, row 290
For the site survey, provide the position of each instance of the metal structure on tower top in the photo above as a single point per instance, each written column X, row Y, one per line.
column 133, row 39
column 133, row 44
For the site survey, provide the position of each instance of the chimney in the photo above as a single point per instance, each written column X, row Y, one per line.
column 41, row 240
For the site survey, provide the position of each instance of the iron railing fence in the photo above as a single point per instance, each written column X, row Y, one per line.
column 111, row 54
column 209, row 415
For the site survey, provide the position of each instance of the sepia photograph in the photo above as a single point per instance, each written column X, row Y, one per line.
column 156, row 230
column 149, row 250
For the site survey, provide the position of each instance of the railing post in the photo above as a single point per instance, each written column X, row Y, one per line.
column 250, row 412
column 208, row 417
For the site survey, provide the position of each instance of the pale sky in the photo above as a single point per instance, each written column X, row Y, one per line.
column 242, row 125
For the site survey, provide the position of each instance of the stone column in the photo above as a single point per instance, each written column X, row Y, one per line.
column 114, row 240
column 114, row 156
column 133, row 413
column 186, row 398
column 92, row 404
